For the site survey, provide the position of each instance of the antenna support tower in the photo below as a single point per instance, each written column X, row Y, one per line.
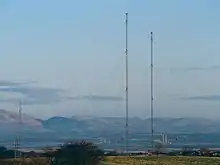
column 17, row 141
column 20, row 125
column 126, row 81
column 152, row 97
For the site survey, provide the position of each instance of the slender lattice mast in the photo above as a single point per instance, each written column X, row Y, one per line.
column 126, row 81
column 152, row 97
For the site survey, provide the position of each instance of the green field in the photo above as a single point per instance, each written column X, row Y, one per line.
column 165, row 160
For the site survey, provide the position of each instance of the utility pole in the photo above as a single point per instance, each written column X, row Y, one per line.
column 20, row 128
column 126, row 81
column 152, row 97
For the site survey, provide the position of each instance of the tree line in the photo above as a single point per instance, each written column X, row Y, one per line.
column 71, row 153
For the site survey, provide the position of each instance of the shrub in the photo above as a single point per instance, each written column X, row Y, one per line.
column 78, row 153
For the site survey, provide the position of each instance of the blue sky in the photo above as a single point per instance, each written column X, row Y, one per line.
column 67, row 57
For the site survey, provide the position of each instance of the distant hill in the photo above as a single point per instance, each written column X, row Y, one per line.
column 9, row 121
column 79, row 126
column 64, row 124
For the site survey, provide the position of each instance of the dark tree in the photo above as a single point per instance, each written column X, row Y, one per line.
column 78, row 153
column 4, row 153
column 3, row 149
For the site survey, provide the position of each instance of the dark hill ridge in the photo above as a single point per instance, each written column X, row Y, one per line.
column 57, row 130
column 107, row 125
column 10, row 121
column 58, row 123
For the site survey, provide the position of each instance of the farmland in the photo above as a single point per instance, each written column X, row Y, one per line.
column 162, row 161
column 124, row 160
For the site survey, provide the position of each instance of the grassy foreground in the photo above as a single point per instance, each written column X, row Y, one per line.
column 123, row 160
column 165, row 160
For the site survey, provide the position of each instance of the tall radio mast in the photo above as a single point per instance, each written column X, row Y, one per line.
column 152, row 97
column 126, row 81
